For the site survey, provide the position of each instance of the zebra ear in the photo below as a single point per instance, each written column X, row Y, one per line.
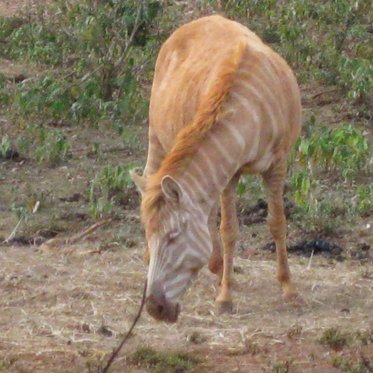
column 171, row 189
column 140, row 181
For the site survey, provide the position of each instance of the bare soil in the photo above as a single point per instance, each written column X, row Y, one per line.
column 64, row 310
column 16, row 7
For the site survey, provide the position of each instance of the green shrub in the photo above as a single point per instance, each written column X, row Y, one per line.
column 334, row 338
column 98, row 53
column 54, row 148
column 297, row 28
column 113, row 185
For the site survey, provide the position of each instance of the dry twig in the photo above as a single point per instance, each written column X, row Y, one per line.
column 58, row 243
column 14, row 231
column 116, row 351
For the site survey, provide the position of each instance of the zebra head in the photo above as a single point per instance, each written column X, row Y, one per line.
column 179, row 245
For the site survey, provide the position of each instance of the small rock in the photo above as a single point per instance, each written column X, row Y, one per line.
column 363, row 246
column 196, row 338
column 307, row 247
column 86, row 328
column 105, row 331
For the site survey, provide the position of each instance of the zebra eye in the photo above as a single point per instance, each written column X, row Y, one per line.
column 172, row 236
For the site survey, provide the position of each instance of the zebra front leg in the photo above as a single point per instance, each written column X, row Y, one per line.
column 274, row 181
column 216, row 260
column 229, row 230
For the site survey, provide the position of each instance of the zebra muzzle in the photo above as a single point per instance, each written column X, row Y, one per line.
column 159, row 307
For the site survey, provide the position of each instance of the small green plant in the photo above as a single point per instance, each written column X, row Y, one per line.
column 252, row 185
column 334, row 338
column 365, row 337
column 22, row 212
column 4, row 147
column 364, row 199
column 349, row 366
column 54, row 148
column 164, row 362
column 301, row 183
column 4, row 92
column 282, row 367
column 110, row 187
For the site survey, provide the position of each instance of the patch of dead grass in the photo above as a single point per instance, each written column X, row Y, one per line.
column 55, row 304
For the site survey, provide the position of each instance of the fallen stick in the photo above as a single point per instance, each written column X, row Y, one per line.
column 56, row 243
column 88, row 231
column 14, row 231
column 324, row 92
column 116, row 350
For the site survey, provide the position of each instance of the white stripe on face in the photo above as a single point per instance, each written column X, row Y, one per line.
column 174, row 293
column 178, row 280
column 179, row 256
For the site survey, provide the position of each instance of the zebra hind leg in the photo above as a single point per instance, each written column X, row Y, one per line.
column 274, row 180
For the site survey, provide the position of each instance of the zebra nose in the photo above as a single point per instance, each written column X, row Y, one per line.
column 158, row 306
column 156, row 300
column 155, row 306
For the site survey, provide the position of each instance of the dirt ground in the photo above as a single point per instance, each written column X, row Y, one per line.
column 15, row 7
column 64, row 310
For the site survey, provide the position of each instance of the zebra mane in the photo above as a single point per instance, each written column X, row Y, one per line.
column 190, row 137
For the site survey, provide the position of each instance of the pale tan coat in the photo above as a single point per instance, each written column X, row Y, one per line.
column 223, row 103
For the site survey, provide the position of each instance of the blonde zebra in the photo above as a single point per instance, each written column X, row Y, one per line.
column 222, row 104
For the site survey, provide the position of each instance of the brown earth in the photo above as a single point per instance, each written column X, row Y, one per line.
column 64, row 310
column 17, row 7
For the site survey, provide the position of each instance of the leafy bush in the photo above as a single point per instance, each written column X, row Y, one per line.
column 343, row 149
column 342, row 153
column 98, row 52
column 325, row 39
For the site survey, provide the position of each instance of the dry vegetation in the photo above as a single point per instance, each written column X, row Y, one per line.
column 64, row 312
column 63, row 308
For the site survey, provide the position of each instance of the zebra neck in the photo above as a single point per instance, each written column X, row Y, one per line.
column 210, row 169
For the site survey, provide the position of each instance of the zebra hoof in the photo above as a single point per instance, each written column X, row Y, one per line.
column 224, row 307
column 293, row 298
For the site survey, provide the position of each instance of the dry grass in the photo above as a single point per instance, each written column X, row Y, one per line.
column 54, row 307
